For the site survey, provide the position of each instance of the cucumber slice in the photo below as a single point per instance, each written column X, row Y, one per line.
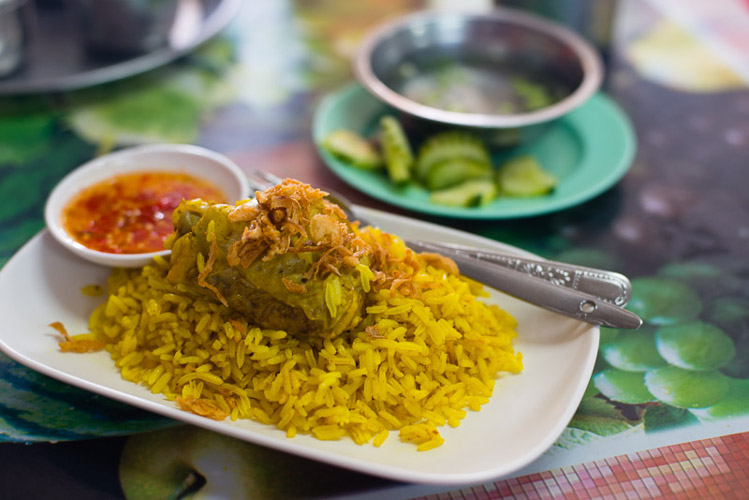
column 454, row 171
column 524, row 176
column 449, row 146
column 399, row 157
column 471, row 193
column 352, row 148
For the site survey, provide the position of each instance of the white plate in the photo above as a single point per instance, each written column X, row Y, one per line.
column 525, row 416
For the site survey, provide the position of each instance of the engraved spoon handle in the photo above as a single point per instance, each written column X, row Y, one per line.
column 609, row 286
column 547, row 295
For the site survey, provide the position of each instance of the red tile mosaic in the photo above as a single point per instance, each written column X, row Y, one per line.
column 710, row 468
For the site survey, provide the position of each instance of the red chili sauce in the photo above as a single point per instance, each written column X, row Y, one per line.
column 132, row 213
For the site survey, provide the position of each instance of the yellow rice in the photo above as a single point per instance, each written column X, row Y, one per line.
column 431, row 358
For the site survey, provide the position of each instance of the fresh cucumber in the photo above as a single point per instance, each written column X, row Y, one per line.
column 449, row 146
column 471, row 193
column 454, row 171
column 399, row 157
column 523, row 176
column 353, row 149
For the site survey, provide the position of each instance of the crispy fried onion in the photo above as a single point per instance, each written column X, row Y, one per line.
column 212, row 256
column 441, row 262
column 392, row 271
column 293, row 217
column 296, row 288
column 373, row 332
column 202, row 407
column 69, row 344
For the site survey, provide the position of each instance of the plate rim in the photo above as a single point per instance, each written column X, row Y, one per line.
column 362, row 465
column 599, row 102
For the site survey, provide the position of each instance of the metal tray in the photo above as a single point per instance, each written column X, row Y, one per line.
column 56, row 59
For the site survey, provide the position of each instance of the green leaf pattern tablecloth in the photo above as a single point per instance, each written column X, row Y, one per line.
column 677, row 224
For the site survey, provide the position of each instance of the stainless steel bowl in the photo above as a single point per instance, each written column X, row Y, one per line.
column 13, row 35
column 125, row 27
column 502, row 43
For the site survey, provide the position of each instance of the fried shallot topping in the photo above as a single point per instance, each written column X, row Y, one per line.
column 439, row 261
column 202, row 407
column 207, row 270
column 392, row 271
column 293, row 217
column 373, row 332
column 297, row 288
column 70, row 344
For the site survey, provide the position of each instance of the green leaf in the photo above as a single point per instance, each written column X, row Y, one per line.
column 21, row 191
column 608, row 335
column 37, row 408
column 739, row 366
column 623, row 386
column 730, row 313
column 633, row 351
column 686, row 388
column 663, row 301
column 600, row 417
column 24, row 137
column 695, row 345
column 698, row 275
column 591, row 391
column 736, row 404
column 24, row 190
column 167, row 105
column 145, row 114
column 662, row 417
column 574, row 438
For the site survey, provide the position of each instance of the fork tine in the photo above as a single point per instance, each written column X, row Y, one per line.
column 257, row 181
column 270, row 178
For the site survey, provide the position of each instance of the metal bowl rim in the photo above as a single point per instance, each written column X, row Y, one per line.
column 590, row 62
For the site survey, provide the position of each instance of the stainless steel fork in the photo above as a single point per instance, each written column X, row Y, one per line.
column 584, row 293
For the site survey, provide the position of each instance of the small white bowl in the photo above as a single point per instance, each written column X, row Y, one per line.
column 192, row 160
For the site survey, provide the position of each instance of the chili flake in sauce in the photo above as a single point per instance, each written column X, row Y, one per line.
column 132, row 213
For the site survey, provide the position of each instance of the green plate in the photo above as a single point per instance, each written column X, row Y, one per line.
column 588, row 150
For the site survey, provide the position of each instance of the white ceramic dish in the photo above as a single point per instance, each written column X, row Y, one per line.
column 192, row 160
column 525, row 416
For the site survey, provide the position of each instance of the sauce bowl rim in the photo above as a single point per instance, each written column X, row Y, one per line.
column 125, row 161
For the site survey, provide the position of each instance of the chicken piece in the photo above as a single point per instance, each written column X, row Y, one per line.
column 287, row 260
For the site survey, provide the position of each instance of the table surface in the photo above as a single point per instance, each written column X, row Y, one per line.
column 677, row 224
